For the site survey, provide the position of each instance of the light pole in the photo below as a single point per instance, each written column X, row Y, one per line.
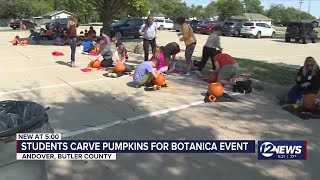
column 300, row 2
column 309, row 6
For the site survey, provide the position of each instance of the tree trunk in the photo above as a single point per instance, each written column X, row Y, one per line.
column 107, row 21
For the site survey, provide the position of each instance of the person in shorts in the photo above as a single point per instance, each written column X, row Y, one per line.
column 227, row 68
column 170, row 51
column 145, row 72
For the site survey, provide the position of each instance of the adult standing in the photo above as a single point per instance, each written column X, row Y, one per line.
column 149, row 33
column 210, row 49
column 189, row 40
column 72, row 34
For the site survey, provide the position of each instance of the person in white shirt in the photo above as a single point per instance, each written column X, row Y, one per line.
column 120, row 55
column 149, row 33
column 210, row 49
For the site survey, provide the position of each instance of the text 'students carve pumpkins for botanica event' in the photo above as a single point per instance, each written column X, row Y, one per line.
column 215, row 89
column 160, row 80
column 119, row 67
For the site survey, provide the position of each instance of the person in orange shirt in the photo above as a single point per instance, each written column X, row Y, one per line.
column 227, row 68
column 189, row 40
column 16, row 40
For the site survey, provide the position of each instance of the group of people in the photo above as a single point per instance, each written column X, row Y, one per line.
column 164, row 57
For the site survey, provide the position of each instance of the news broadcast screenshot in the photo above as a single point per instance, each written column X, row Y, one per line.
column 159, row 90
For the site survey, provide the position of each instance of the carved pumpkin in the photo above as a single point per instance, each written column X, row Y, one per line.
column 160, row 80
column 119, row 67
column 309, row 102
column 213, row 77
column 215, row 89
column 95, row 63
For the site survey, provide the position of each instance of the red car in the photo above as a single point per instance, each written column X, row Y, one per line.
column 28, row 24
column 209, row 28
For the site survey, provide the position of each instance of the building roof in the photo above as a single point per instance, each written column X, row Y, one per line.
column 57, row 12
column 251, row 17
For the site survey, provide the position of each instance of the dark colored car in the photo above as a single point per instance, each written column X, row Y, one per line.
column 28, row 24
column 195, row 24
column 127, row 27
column 232, row 28
column 301, row 31
column 58, row 23
column 210, row 28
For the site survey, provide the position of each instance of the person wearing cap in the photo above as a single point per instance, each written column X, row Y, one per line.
column 210, row 49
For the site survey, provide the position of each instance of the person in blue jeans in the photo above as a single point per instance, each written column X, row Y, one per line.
column 308, row 80
column 72, row 34
column 145, row 72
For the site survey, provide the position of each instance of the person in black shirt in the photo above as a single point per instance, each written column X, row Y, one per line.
column 308, row 80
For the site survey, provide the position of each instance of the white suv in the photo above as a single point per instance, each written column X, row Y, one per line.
column 257, row 29
column 164, row 24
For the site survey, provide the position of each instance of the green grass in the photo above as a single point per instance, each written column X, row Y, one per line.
column 265, row 72
column 268, row 72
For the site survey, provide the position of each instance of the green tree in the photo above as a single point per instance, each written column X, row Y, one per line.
column 253, row 6
column 275, row 12
column 228, row 8
column 211, row 10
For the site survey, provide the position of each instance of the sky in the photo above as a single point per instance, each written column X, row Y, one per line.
column 314, row 7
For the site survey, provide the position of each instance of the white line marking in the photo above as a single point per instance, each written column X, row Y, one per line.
column 51, row 86
column 151, row 114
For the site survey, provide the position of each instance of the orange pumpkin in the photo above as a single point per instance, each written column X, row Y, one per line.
column 119, row 67
column 213, row 77
column 309, row 102
column 215, row 89
column 160, row 80
column 25, row 42
column 95, row 63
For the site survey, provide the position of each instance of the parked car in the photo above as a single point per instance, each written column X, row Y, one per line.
column 301, row 31
column 177, row 27
column 164, row 24
column 231, row 28
column 210, row 28
column 257, row 29
column 195, row 24
column 28, row 24
column 127, row 27
column 58, row 23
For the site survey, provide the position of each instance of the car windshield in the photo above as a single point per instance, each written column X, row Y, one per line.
column 248, row 24
column 206, row 22
column 121, row 22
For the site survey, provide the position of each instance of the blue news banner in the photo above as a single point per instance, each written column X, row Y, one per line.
column 267, row 150
column 136, row 146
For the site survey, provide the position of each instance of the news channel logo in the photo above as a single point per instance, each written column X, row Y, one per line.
column 282, row 150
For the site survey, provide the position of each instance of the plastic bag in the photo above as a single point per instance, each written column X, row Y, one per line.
column 19, row 116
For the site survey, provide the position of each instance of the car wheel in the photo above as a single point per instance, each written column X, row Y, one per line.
column 118, row 34
column 258, row 36
column 161, row 27
column 136, row 37
column 14, row 28
column 314, row 40
column 305, row 39
column 297, row 40
column 244, row 36
column 236, row 33
column 287, row 38
column 273, row 35
column 177, row 30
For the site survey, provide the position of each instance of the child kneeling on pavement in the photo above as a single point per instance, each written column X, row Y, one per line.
column 145, row 73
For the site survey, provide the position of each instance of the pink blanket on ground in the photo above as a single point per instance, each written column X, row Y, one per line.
column 56, row 53
column 88, row 69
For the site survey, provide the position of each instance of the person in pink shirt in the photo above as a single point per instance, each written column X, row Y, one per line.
column 159, row 55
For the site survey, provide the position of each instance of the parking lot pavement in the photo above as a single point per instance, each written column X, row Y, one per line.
column 90, row 106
